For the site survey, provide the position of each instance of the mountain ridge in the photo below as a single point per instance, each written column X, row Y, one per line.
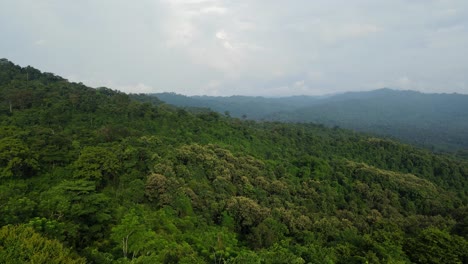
column 406, row 112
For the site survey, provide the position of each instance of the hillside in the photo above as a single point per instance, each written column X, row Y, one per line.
column 435, row 121
column 93, row 176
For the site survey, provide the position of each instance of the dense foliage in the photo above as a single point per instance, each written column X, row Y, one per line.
column 90, row 175
column 436, row 121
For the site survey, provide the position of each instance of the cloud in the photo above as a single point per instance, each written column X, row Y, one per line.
column 404, row 82
column 140, row 87
column 222, row 36
column 315, row 75
column 358, row 30
column 451, row 12
column 213, row 10
column 243, row 47
column 40, row 42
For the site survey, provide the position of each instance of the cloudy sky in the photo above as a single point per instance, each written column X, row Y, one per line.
column 246, row 47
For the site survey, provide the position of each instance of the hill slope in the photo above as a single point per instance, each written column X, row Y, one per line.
column 113, row 179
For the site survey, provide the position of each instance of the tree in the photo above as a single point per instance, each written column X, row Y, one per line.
column 246, row 212
column 21, row 244
column 433, row 245
column 77, row 203
column 17, row 210
column 268, row 233
column 279, row 253
column 97, row 164
column 132, row 234
column 16, row 159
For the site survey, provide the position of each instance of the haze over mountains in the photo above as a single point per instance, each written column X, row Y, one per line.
column 438, row 121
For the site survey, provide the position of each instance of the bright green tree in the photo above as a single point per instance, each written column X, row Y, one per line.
column 21, row 244
column 97, row 164
column 133, row 235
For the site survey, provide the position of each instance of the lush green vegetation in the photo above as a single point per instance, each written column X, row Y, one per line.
column 435, row 121
column 90, row 175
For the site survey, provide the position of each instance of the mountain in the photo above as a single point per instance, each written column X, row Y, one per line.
column 96, row 176
column 436, row 121
column 432, row 120
column 239, row 106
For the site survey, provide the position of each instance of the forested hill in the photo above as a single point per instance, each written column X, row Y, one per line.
column 436, row 121
column 93, row 176
column 439, row 121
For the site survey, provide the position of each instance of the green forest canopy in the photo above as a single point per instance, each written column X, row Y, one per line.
column 91, row 175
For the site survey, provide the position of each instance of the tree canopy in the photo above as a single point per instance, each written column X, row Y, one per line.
column 93, row 175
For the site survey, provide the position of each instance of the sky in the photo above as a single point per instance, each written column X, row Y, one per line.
column 243, row 47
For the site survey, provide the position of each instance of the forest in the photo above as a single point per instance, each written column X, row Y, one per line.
column 435, row 121
column 99, row 176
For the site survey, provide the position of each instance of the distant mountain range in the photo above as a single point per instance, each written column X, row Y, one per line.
column 437, row 121
column 253, row 107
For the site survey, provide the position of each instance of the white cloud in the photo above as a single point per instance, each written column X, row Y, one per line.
column 243, row 47
column 130, row 88
column 218, row 10
column 222, row 36
column 358, row 30
column 404, row 82
column 40, row 42
column 331, row 33
column 300, row 83
column 315, row 75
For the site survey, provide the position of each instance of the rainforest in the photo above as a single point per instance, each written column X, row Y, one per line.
column 94, row 175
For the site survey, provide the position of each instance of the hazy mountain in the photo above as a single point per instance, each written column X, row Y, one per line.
column 437, row 121
column 238, row 106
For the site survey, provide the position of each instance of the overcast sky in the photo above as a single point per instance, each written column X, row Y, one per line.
column 243, row 47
